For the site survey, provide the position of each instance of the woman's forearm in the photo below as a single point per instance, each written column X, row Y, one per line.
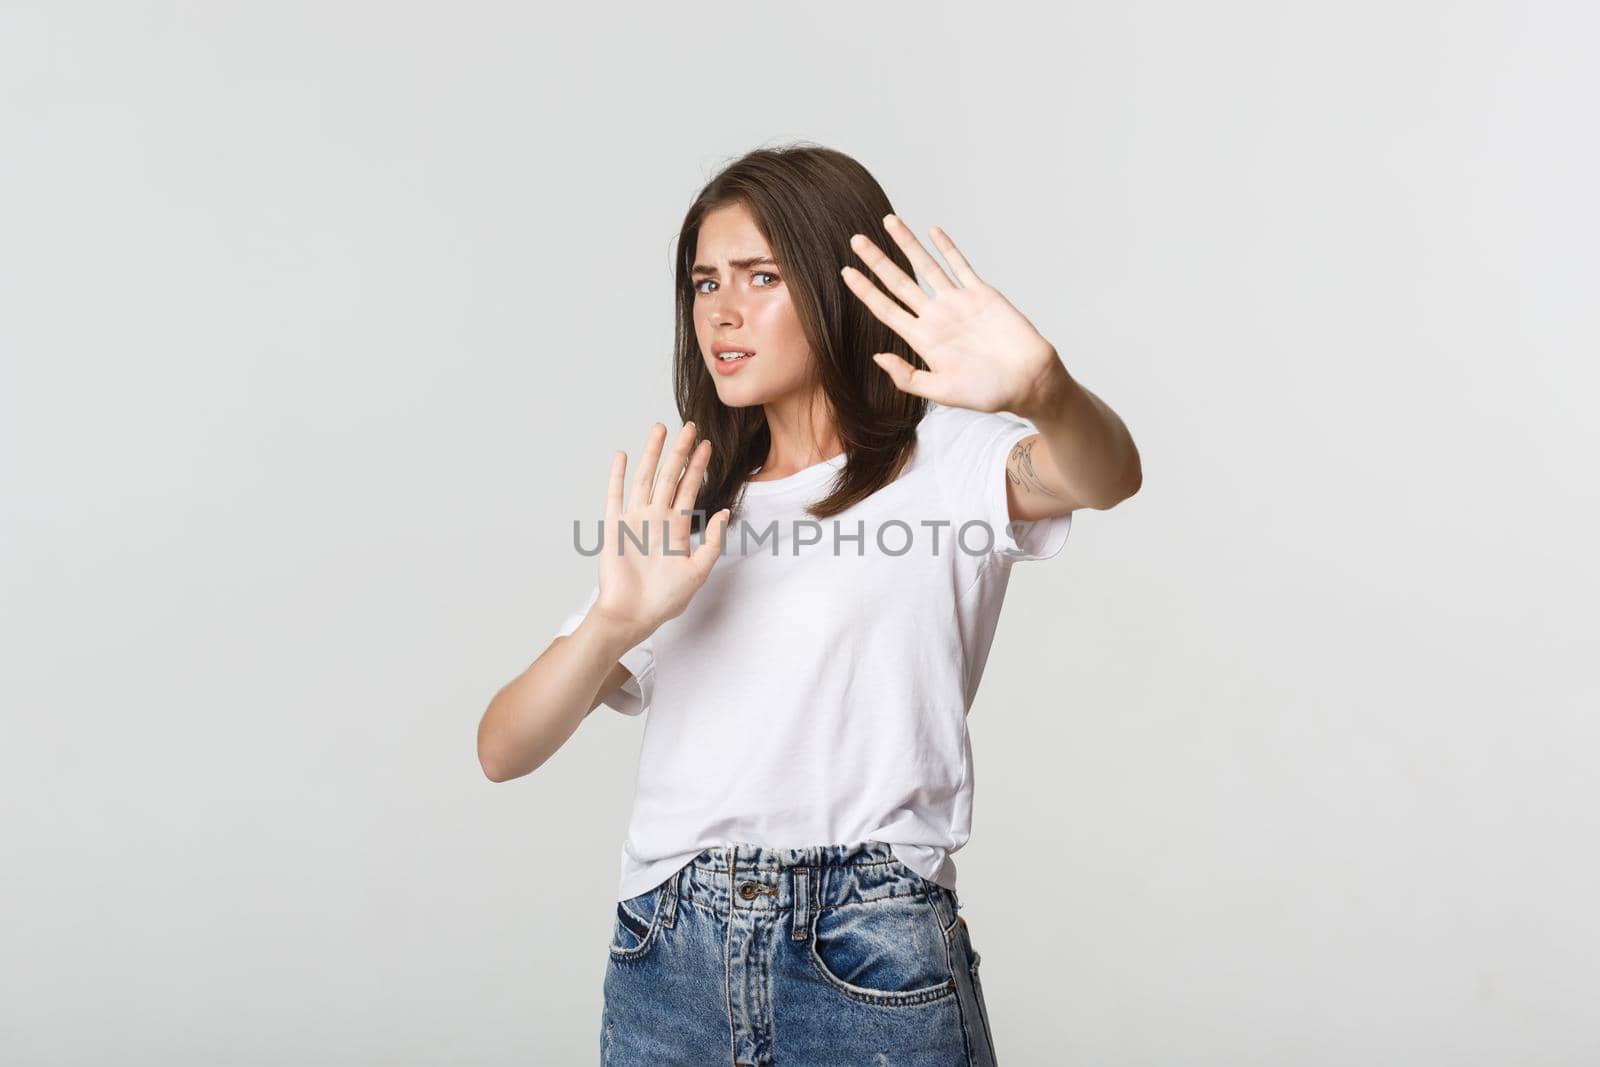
column 1087, row 452
column 534, row 714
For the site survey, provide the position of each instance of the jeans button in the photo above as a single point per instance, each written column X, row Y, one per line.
column 747, row 890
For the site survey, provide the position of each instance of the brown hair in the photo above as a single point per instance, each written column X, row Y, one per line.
column 807, row 200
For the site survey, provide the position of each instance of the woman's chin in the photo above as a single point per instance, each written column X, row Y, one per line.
column 741, row 395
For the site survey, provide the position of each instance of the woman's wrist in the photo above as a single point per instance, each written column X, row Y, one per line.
column 614, row 635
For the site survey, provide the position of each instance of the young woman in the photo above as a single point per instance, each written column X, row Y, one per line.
column 804, row 601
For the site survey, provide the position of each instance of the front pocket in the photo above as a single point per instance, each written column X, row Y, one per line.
column 639, row 928
column 636, row 926
column 886, row 951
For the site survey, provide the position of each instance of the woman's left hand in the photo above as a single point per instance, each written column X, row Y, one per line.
column 981, row 352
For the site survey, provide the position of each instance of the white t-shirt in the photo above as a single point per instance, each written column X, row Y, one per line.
column 820, row 698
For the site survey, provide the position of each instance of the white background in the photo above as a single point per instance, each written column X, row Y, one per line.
column 320, row 323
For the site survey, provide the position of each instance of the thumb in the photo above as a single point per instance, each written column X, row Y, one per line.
column 907, row 379
column 711, row 544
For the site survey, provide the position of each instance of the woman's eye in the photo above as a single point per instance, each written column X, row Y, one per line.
column 757, row 274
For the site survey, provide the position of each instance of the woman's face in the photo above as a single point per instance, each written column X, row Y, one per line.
column 741, row 300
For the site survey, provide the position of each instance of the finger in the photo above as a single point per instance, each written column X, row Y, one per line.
column 926, row 265
column 887, row 311
column 666, row 487
column 710, row 549
column 689, row 486
column 888, row 271
column 952, row 255
column 619, row 466
column 645, row 476
column 909, row 379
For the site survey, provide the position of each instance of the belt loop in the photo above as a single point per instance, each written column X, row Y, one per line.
column 669, row 903
column 800, row 893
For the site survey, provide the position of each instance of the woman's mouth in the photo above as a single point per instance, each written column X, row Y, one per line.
column 731, row 360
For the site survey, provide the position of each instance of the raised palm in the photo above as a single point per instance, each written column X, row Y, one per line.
column 981, row 352
column 649, row 575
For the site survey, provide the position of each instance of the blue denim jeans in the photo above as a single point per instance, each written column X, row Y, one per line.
column 796, row 957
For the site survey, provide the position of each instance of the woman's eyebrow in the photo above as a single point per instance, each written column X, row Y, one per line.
column 737, row 264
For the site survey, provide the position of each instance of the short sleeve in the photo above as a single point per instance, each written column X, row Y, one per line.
column 633, row 696
column 972, row 467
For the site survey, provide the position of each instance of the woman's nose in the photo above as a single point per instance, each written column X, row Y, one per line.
column 723, row 312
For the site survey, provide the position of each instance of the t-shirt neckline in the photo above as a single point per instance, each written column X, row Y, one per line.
column 799, row 479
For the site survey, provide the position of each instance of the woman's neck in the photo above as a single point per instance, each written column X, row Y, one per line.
column 802, row 435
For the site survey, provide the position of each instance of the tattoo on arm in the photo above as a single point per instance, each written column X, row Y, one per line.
column 1019, row 469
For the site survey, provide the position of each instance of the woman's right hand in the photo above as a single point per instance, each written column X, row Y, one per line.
column 640, row 588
